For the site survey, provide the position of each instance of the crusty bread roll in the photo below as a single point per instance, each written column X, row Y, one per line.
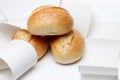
column 39, row 43
column 67, row 48
column 50, row 20
column 22, row 34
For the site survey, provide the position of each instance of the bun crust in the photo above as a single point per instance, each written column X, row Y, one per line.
column 67, row 48
column 50, row 20
column 39, row 43
column 22, row 35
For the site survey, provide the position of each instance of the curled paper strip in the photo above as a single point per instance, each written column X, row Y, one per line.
column 6, row 33
column 18, row 56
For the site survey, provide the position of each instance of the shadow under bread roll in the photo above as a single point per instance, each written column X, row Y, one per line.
column 39, row 43
column 68, row 48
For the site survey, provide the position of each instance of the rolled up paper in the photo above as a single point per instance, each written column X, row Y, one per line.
column 6, row 32
column 39, row 43
column 19, row 56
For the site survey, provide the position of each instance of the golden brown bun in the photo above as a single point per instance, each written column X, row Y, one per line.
column 39, row 43
column 22, row 35
column 50, row 20
column 67, row 48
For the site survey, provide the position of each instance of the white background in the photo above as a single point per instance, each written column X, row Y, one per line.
column 103, row 11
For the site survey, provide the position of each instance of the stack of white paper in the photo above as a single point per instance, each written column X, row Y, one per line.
column 102, row 44
column 101, row 57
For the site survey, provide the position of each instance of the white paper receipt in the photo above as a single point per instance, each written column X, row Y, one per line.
column 15, row 59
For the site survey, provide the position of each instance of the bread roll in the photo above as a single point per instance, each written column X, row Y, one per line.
column 67, row 48
column 39, row 43
column 22, row 35
column 50, row 20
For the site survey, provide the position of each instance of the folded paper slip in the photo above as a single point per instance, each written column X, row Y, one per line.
column 101, row 57
column 19, row 56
